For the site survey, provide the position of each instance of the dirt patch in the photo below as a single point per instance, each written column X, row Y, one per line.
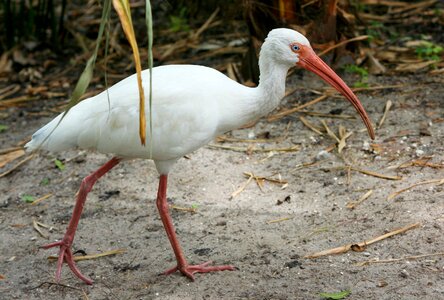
column 310, row 210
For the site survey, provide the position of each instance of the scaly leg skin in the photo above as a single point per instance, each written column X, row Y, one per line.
column 65, row 244
column 182, row 265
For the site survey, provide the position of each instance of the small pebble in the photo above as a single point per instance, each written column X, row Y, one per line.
column 322, row 155
column 404, row 273
column 419, row 152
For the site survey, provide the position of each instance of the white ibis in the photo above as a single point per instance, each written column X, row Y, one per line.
column 191, row 106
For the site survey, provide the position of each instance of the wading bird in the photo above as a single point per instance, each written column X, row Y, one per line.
column 191, row 105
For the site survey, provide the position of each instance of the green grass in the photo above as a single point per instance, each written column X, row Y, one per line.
column 362, row 72
column 429, row 51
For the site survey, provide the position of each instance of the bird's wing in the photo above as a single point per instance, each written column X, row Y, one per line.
column 186, row 103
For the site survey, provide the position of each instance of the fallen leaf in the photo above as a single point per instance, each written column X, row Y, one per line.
column 336, row 296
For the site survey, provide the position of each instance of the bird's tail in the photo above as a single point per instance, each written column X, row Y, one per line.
column 47, row 137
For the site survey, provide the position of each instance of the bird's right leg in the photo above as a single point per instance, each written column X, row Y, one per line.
column 65, row 244
column 182, row 264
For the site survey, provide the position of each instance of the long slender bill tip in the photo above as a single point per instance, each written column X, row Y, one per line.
column 310, row 61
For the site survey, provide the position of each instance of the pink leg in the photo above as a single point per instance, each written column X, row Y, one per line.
column 182, row 265
column 65, row 253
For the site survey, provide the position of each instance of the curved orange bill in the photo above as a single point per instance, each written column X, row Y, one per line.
column 310, row 61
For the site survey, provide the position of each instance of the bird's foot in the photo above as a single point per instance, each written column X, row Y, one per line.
column 190, row 270
column 65, row 255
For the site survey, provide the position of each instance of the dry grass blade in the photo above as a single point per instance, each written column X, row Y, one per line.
column 343, row 137
column 319, row 114
column 17, row 165
column 36, row 226
column 10, row 156
column 2, row 277
column 241, row 188
column 85, row 295
column 249, row 150
column 385, row 2
column 308, row 164
column 437, row 181
column 279, row 220
column 413, row 67
column 206, row 24
column 17, row 101
column 388, row 105
column 355, row 39
column 149, row 28
column 11, row 149
column 374, row 174
column 421, row 162
column 330, row 133
column 9, row 90
column 122, row 8
column 273, row 180
column 36, row 201
column 93, row 256
column 287, row 112
column 384, row 261
column 413, row 7
column 353, row 204
column 379, row 87
column 309, row 125
column 187, row 209
column 362, row 245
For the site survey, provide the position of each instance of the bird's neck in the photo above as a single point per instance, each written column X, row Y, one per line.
column 257, row 102
column 271, row 86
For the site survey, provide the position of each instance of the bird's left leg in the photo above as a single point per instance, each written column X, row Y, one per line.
column 182, row 264
column 65, row 253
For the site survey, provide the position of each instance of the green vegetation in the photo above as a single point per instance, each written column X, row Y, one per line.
column 3, row 127
column 28, row 198
column 374, row 30
column 44, row 181
column 59, row 164
column 363, row 74
column 180, row 22
column 429, row 51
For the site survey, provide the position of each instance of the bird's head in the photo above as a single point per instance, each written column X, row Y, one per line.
column 291, row 48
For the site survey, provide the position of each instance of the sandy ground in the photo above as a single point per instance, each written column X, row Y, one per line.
column 311, row 210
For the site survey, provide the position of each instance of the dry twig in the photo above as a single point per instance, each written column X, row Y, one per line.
column 93, row 256
column 360, row 246
column 388, row 105
column 383, row 261
column 17, row 165
column 279, row 220
column 187, row 209
column 36, row 225
column 241, row 188
column 370, row 173
column 287, row 112
column 353, row 204
column 437, row 181
column 309, row 125
column 38, row 200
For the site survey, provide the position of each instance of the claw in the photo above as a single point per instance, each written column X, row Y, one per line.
column 65, row 255
column 190, row 270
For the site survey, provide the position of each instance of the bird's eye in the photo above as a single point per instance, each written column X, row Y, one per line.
column 295, row 47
